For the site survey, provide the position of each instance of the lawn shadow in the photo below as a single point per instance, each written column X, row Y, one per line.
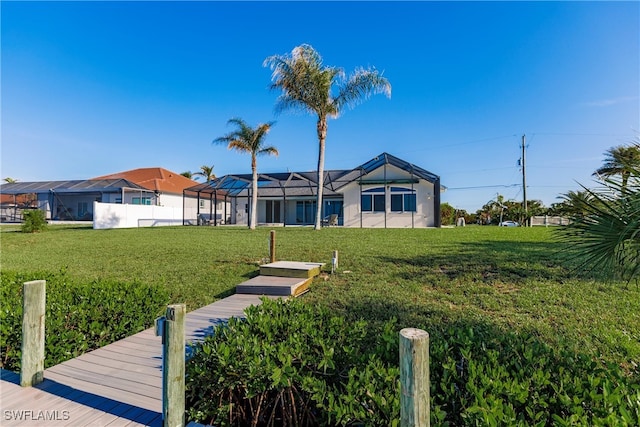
column 489, row 261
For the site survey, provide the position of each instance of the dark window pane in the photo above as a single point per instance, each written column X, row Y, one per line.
column 378, row 203
column 365, row 202
column 410, row 202
column 396, row 203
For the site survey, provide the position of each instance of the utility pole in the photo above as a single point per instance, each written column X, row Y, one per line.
column 524, row 181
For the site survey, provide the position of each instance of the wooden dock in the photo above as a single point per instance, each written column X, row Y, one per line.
column 116, row 385
column 121, row 384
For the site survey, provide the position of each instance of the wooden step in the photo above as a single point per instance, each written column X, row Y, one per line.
column 274, row 286
column 303, row 270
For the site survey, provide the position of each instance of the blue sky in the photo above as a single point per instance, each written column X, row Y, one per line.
column 92, row 88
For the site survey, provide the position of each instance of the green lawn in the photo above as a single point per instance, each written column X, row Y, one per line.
column 503, row 278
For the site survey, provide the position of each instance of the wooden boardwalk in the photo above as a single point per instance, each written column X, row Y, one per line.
column 117, row 385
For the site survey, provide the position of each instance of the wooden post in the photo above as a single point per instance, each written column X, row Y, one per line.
column 33, row 308
column 334, row 262
column 272, row 246
column 414, row 378
column 173, row 354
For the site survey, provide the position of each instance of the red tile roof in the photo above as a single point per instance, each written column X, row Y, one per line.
column 157, row 179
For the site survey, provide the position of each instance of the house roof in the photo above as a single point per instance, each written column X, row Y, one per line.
column 76, row 186
column 156, row 179
column 386, row 158
column 300, row 184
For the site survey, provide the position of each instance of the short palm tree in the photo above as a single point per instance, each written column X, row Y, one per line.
column 10, row 180
column 187, row 174
column 620, row 160
column 246, row 139
column 206, row 172
column 309, row 86
column 606, row 233
column 576, row 203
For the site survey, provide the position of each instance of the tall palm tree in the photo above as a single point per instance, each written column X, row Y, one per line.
column 620, row 160
column 309, row 86
column 206, row 172
column 246, row 139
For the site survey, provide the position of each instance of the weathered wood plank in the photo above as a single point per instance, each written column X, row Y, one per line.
column 274, row 285
column 154, row 369
column 149, row 378
column 291, row 269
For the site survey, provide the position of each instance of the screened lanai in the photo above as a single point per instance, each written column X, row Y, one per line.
column 69, row 200
column 287, row 198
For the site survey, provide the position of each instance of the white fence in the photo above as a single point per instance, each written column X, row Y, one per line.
column 114, row 215
column 548, row 220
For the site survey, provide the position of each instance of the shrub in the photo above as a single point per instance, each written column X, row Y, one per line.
column 79, row 316
column 480, row 376
column 34, row 221
column 292, row 364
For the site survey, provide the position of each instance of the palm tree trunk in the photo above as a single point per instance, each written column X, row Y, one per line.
column 322, row 136
column 254, row 193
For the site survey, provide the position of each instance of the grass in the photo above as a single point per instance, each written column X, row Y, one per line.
column 505, row 278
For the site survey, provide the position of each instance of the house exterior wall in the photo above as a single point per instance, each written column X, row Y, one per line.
column 239, row 210
column 424, row 195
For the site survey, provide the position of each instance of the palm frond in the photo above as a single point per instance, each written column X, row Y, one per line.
column 607, row 234
column 360, row 86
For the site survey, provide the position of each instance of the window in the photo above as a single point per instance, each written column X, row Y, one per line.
column 141, row 200
column 403, row 199
column 82, row 209
column 305, row 211
column 373, row 199
column 201, row 203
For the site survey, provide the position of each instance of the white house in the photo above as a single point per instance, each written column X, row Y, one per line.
column 384, row 192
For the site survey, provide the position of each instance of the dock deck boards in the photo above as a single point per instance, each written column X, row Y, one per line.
column 116, row 385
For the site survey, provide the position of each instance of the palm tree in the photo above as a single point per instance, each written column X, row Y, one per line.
column 575, row 203
column 606, row 234
column 249, row 140
column 9, row 180
column 206, row 172
column 187, row 174
column 620, row 160
column 309, row 86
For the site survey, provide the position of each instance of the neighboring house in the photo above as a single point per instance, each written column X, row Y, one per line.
column 167, row 186
column 169, row 190
column 68, row 200
column 384, row 192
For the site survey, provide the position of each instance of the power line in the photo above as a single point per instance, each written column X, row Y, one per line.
column 483, row 186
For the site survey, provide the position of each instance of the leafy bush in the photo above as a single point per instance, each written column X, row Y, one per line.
column 79, row 316
column 292, row 364
column 34, row 221
column 480, row 376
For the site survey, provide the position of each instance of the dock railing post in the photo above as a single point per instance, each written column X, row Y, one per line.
column 272, row 246
column 414, row 378
column 171, row 327
column 33, row 308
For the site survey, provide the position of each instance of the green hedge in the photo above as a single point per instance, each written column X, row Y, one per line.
column 293, row 364
column 79, row 316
